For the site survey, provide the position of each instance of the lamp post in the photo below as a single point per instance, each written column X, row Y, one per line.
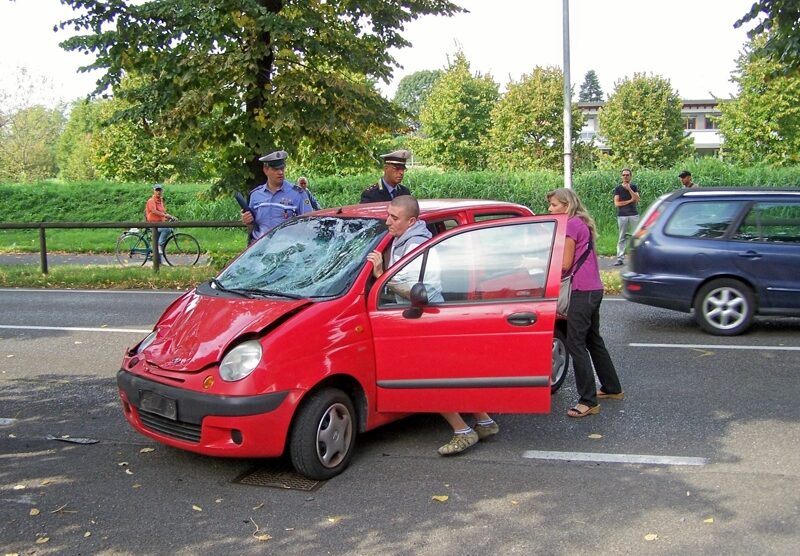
column 567, row 103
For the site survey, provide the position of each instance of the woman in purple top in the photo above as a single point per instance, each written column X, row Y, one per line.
column 584, row 342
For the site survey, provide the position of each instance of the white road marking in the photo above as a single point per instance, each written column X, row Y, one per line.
column 76, row 329
column 614, row 458
column 717, row 346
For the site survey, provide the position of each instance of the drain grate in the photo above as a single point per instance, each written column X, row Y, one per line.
column 287, row 480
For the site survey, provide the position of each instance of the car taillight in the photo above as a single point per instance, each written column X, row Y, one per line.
column 644, row 227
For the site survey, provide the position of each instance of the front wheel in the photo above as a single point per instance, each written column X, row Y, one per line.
column 132, row 250
column 560, row 361
column 181, row 250
column 323, row 435
column 724, row 307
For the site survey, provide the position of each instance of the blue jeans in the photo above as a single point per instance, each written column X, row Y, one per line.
column 587, row 347
column 626, row 224
column 163, row 234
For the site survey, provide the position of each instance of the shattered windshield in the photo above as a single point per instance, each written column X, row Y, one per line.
column 307, row 258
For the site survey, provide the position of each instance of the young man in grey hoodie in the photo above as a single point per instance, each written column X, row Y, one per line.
column 409, row 232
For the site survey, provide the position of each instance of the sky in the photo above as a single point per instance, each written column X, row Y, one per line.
column 690, row 42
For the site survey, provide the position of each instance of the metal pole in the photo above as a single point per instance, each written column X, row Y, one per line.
column 567, row 104
column 154, row 243
column 43, row 249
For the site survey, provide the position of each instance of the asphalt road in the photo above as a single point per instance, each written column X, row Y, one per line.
column 725, row 407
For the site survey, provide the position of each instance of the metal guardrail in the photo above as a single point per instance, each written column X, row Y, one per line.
column 43, row 226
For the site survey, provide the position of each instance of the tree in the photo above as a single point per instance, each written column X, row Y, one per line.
column 590, row 90
column 28, row 143
column 75, row 151
column 642, row 123
column 527, row 123
column 456, row 117
column 780, row 23
column 413, row 91
column 243, row 78
column 762, row 125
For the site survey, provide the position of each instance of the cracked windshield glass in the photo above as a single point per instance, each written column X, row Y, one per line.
column 307, row 257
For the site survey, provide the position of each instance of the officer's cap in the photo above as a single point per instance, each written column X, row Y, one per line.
column 158, row 187
column 396, row 158
column 276, row 159
column 684, row 174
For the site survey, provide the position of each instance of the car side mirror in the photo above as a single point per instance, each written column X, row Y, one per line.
column 419, row 299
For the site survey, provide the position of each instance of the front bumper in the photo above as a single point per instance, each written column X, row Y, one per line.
column 235, row 426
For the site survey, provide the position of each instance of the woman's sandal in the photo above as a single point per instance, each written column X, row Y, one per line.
column 605, row 396
column 577, row 413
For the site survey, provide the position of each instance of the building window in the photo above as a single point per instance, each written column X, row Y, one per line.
column 711, row 122
column 690, row 122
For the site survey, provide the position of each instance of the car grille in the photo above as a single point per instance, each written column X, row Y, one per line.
column 180, row 430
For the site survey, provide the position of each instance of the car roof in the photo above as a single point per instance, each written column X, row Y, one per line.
column 743, row 192
column 427, row 207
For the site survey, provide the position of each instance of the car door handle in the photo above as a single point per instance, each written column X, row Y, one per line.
column 521, row 319
column 750, row 255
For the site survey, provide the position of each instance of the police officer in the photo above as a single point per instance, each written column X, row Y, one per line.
column 389, row 186
column 275, row 201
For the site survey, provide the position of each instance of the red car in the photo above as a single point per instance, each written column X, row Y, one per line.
column 296, row 346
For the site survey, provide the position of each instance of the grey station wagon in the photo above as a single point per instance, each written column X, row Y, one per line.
column 727, row 254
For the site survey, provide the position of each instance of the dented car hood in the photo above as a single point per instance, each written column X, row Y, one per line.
column 197, row 329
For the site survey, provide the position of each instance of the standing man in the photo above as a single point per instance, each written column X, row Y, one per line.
column 626, row 196
column 275, row 201
column 155, row 211
column 389, row 186
column 408, row 233
column 686, row 180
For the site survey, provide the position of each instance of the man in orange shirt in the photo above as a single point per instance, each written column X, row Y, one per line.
column 154, row 211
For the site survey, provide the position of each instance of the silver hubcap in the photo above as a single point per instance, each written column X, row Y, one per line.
column 725, row 308
column 334, row 433
column 559, row 360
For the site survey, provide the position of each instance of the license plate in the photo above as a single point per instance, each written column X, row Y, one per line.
column 160, row 405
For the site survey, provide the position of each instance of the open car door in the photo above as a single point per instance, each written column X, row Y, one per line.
column 482, row 341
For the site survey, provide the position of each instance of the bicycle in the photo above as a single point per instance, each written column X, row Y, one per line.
column 133, row 248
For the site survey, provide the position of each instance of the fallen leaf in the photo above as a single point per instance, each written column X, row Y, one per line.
column 197, row 508
column 137, row 485
column 128, row 472
column 335, row 519
column 77, row 342
column 595, row 435
column 440, row 498
column 42, row 540
column 33, row 512
column 514, row 502
column 146, row 450
column 122, row 463
column 259, row 506
column 19, row 487
column 12, row 355
column 650, row 537
column 218, row 500
column 263, row 536
column 45, row 482
column 709, row 520
column 87, row 534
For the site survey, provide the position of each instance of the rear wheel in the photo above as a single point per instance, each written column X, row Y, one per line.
column 724, row 307
column 132, row 250
column 323, row 435
column 181, row 250
column 560, row 361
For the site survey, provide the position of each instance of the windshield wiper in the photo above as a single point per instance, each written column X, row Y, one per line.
column 253, row 292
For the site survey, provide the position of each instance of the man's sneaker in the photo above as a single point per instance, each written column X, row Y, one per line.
column 619, row 262
column 485, row 431
column 459, row 443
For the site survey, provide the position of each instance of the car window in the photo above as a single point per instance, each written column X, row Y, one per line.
column 439, row 226
column 508, row 262
column 495, row 216
column 771, row 222
column 702, row 219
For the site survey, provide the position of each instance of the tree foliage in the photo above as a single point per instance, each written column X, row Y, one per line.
column 642, row 123
column 762, row 125
column 28, row 144
column 780, row 20
column 75, row 150
column 527, row 123
column 413, row 91
column 457, row 116
column 590, row 89
column 243, row 78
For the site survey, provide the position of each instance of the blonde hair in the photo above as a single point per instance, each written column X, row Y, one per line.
column 574, row 207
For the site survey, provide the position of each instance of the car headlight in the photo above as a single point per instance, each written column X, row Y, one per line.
column 240, row 361
column 144, row 344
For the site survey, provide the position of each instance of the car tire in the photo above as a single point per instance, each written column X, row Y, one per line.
column 724, row 307
column 560, row 360
column 323, row 435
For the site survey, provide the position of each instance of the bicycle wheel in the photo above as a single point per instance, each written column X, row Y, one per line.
column 132, row 250
column 181, row 250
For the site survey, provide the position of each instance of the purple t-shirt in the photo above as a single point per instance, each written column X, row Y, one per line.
column 587, row 278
